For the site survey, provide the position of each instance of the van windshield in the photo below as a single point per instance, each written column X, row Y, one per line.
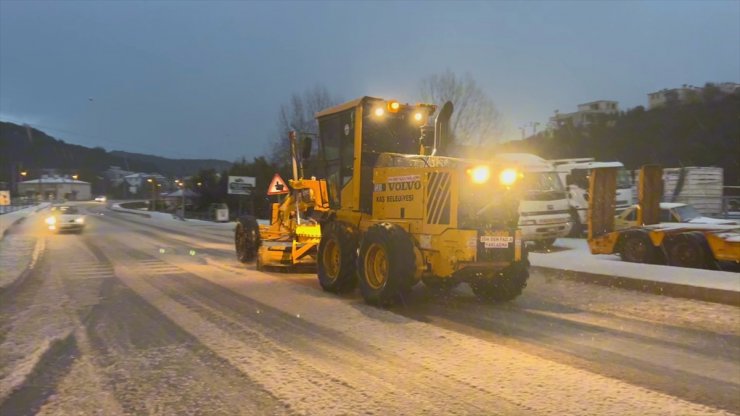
column 542, row 182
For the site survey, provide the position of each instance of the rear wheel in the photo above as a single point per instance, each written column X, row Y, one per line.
column 247, row 239
column 687, row 250
column 386, row 264
column 336, row 258
column 637, row 248
column 503, row 286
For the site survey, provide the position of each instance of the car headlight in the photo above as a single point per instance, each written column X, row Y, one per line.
column 51, row 220
column 507, row 177
column 80, row 220
column 479, row 174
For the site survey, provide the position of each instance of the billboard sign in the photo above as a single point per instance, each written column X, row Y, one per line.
column 241, row 185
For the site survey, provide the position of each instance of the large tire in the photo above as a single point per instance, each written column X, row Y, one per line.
column 336, row 258
column 503, row 286
column 688, row 250
column 636, row 247
column 386, row 264
column 247, row 239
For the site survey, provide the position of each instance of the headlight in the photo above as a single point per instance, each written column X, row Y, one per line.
column 379, row 112
column 80, row 220
column 507, row 177
column 51, row 220
column 480, row 174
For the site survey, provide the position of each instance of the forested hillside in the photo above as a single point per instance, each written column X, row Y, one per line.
column 33, row 149
column 705, row 133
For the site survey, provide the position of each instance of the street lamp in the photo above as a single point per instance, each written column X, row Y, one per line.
column 154, row 193
column 182, row 191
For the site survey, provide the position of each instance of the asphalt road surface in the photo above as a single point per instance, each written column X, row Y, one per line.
column 141, row 317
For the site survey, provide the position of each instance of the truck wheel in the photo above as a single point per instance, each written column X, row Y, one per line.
column 637, row 248
column 336, row 258
column 544, row 244
column 385, row 264
column 440, row 284
column 246, row 239
column 687, row 250
column 576, row 230
column 503, row 286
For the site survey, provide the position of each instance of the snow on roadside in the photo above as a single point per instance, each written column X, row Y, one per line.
column 573, row 254
column 18, row 253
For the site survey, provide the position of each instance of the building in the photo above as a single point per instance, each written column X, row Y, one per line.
column 139, row 182
column 115, row 175
column 587, row 114
column 673, row 96
column 50, row 188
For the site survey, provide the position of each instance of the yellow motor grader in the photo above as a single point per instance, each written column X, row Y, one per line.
column 292, row 237
column 400, row 212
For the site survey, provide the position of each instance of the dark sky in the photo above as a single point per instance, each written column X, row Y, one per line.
column 206, row 79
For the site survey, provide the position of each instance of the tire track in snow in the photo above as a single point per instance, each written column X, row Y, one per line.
column 522, row 378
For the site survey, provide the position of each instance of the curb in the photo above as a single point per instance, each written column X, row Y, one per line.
column 141, row 214
column 676, row 290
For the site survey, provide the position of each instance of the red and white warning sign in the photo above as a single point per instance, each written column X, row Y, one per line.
column 277, row 186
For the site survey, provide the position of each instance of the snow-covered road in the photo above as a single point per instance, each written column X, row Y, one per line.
column 135, row 317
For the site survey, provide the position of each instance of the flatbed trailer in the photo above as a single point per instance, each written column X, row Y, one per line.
column 685, row 245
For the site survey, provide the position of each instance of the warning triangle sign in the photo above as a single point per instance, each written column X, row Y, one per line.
column 277, row 186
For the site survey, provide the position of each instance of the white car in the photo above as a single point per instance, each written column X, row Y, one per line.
column 65, row 218
column 670, row 212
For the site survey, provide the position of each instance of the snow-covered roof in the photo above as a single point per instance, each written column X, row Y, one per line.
column 54, row 180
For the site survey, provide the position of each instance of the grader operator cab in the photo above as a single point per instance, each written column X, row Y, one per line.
column 398, row 212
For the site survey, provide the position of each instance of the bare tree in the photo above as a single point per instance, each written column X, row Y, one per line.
column 298, row 114
column 476, row 121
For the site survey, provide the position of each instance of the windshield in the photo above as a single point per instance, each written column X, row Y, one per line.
column 391, row 132
column 624, row 179
column 542, row 182
column 687, row 212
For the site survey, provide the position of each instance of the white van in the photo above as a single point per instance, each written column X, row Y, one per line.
column 544, row 212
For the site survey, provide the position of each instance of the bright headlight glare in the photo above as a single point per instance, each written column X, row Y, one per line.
column 51, row 220
column 379, row 112
column 394, row 106
column 418, row 116
column 480, row 174
column 507, row 177
column 79, row 220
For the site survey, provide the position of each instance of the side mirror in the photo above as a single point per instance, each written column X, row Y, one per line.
column 306, row 150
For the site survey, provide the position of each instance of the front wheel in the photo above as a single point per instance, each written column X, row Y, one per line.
column 247, row 239
column 503, row 286
column 386, row 264
column 336, row 258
